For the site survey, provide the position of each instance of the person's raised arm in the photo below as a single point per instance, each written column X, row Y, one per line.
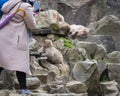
column 29, row 18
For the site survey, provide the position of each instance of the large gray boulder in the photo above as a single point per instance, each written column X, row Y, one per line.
column 73, row 85
column 110, row 88
column 82, row 11
column 74, row 11
column 114, row 72
column 113, row 7
column 48, row 17
column 86, row 72
column 108, row 25
column 83, row 70
column 106, row 40
column 113, row 57
column 94, row 51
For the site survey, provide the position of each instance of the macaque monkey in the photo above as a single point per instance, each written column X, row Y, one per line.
column 54, row 56
column 78, row 30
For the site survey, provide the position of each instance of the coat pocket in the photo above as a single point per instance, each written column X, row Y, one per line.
column 21, row 44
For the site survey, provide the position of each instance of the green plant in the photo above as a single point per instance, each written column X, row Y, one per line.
column 105, row 79
column 67, row 42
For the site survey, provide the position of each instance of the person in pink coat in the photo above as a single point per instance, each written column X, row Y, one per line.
column 14, row 41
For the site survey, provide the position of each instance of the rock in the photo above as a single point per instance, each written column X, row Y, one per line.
column 32, row 44
column 8, row 79
column 101, row 66
column 65, row 70
column 113, row 3
column 60, row 28
column 73, row 85
column 4, row 93
column 46, row 5
column 51, row 77
column 63, row 94
column 51, row 67
column 50, row 88
column 82, row 12
column 32, row 83
column 14, row 94
column 105, row 25
column 59, row 44
column 86, row 72
column 90, row 48
column 113, row 7
column 42, row 78
column 106, row 40
column 93, row 84
column 101, row 8
column 113, row 57
column 114, row 72
column 75, row 12
column 110, row 88
column 46, row 18
column 74, row 54
column 35, row 67
column 61, row 89
column 51, row 37
column 108, row 25
column 83, row 70
column 100, row 52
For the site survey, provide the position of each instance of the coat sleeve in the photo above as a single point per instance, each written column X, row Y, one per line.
column 29, row 18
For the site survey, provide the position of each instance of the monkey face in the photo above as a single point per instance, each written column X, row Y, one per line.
column 47, row 43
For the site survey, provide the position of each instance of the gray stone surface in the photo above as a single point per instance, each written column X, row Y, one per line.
column 114, row 72
column 108, row 25
column 73, row 85
column 106, row 40
column 110, row 88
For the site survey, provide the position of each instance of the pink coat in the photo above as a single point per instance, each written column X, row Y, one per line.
column 14, row 37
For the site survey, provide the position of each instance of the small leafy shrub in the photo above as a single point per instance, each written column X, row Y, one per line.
column 105, row 76
column 105, row 79
column 67, row 42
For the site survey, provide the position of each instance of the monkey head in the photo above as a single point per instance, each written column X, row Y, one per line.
column 47, row 43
